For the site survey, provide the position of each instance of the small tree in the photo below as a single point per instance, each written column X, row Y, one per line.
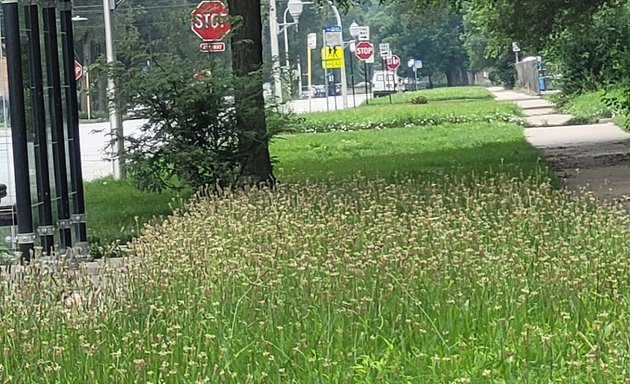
column 193, row 136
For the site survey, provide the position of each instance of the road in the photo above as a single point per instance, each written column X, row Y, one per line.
column 95, row 138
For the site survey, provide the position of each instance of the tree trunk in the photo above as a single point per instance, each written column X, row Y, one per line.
column 247, row 60
column 449, row 78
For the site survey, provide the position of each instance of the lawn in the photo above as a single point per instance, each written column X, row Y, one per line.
column 117, row 211
column 428, row 152
column 401, row 115
column 425, row 254
column 590, row 107
column 438, row 94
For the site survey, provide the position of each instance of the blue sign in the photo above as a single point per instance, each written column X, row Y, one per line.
column 332, row 28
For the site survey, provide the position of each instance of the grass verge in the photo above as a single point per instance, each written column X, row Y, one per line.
column 402, row 115
column 117, row 211
column 438, row 94
column 428, row 152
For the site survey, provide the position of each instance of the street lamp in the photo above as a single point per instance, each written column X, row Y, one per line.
column 79, row 18
column 295, row 9
column 344, row 80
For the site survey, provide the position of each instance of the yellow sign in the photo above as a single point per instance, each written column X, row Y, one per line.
column 332, row 57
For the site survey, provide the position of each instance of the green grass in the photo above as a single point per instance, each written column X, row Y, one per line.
column 117, row 211
column 401, row 115
column 590, row 107
column 430, row 254
column 425, row 152
column 438, row 94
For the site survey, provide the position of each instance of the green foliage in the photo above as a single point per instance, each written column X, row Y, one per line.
column 419, row 100
column 593, row 55
column 193, row 135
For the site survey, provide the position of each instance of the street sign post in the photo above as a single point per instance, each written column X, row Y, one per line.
column 384, row 50
column 212, row 47
column 210, row 22
column 363, row 33
column 364, row 50
column 332, row 36
column 78, row 70
column 312, row 40
column 393, row 63
column 332, row 57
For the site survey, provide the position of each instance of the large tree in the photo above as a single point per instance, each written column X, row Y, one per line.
column 247, row 61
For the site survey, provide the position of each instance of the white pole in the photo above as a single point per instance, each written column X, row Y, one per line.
column 115, row 122
column 286, row 40
column 275, row 51
column 344, row 80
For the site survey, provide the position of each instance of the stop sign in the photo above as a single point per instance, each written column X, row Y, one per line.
column 364, row 50
column 393, row 63
column 78, row 70
column 210, row 20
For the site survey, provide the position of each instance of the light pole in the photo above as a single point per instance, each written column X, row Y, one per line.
column 115, row 119
column 294, row 8
column 344, row 80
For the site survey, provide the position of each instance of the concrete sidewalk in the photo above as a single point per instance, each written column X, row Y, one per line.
column 594, row 157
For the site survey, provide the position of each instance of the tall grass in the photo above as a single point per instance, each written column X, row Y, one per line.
column 500, row 280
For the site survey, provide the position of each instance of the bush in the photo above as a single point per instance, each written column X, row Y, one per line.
column 419, row 100
column 193, row 137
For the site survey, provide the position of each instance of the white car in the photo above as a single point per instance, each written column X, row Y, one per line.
column 385, row 83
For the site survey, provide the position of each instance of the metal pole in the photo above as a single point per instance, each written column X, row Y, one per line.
column 4, row 86
column 344, row 80
column 367, row 90
column 115, row 120
column 25, row 235
column 354, row 99
column 309, row 63
column 46, row 228
column 275, row 51
column 57, row 132
column 74, row 134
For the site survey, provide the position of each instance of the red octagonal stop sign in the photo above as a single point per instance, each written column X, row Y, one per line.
column 393, row 63
column 210, row 20
column 364, row 50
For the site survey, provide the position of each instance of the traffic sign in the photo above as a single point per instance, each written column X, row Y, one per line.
column 332, row 57
column 332, row 36
column 78, row 70
column 384, row 49
column 212, row 47
column 210, row 20
column 363, row 33
column 393, row 63
column 515, row 47
column 364, row 50
column 312, row 40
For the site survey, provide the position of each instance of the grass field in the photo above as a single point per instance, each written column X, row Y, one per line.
column 117, row 211
column 406, row 114
column 439, row 254
column 438, row 94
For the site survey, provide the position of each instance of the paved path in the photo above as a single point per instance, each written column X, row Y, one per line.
column 595, row 157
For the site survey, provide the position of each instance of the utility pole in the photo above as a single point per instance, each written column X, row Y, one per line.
column 115, row 119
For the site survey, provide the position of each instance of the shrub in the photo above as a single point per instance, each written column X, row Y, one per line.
column 419, row 100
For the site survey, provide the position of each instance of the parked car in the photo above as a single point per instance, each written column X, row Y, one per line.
column 385, row 83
